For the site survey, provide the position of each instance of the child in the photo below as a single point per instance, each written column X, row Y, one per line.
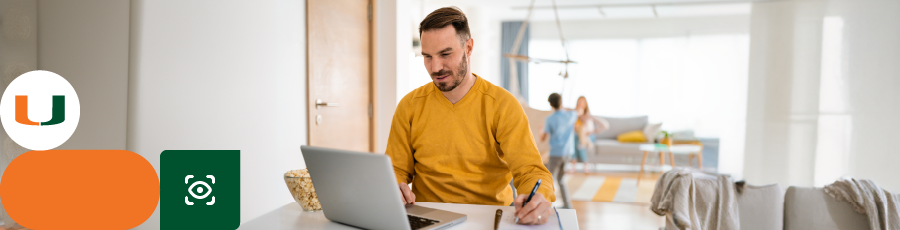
column 560, row 128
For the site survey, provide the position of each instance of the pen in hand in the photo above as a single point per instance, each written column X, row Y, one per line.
column 533, row 191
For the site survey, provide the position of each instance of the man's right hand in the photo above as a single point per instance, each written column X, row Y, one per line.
column 406, row 195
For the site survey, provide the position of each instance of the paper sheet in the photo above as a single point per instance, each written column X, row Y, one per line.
column 508, row 222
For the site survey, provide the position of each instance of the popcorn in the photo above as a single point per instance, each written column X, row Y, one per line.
column 301, row 187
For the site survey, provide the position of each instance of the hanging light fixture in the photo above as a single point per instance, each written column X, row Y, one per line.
column 514, row 56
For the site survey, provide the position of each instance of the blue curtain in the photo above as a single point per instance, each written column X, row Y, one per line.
column 508, row 37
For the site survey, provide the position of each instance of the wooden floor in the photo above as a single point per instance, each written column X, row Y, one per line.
column 618, row 215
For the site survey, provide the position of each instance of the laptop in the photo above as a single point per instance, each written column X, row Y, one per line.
column 359, row 189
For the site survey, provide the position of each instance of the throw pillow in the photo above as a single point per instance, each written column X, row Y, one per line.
column 651, row 130
column 632, row 136
column 620, row 125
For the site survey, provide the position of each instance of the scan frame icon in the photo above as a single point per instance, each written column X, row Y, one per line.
column 200, row 190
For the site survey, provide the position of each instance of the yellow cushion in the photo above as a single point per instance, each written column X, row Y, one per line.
column 632, row 136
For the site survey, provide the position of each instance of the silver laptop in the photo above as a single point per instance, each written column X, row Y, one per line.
column 360, row 189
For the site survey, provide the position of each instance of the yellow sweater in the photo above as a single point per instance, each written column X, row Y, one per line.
column 465, row 152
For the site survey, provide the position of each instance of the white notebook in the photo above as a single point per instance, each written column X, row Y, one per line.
column 508, row 222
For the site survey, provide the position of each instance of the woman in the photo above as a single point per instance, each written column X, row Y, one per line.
column 586, row 129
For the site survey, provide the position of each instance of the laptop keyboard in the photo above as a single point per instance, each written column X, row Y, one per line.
column 418, row 222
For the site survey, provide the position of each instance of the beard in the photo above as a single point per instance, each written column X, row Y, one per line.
column 456, row 77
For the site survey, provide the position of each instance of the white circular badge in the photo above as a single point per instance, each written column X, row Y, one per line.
column 39, row 110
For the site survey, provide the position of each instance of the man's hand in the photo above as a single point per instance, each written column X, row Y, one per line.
column 407, row 196
column 536, row 211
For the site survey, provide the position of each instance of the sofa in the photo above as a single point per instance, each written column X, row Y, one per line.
column 770, row 207
column 606, row 149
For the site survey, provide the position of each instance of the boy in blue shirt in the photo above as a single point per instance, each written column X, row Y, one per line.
column 560, row 127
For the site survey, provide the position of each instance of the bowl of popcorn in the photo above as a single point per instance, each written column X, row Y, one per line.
column 301, row 188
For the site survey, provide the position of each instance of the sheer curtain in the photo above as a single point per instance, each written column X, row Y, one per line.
column 509, row 31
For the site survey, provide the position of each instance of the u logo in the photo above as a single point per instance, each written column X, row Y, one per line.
column 49, row 126
column 59, row 111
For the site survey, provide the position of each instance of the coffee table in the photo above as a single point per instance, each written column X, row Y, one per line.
column 680, row 149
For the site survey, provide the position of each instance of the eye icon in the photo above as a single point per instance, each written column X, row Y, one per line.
column 199, row 187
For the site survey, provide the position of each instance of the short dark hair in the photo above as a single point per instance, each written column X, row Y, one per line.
column 443, row 17
column 555, row 100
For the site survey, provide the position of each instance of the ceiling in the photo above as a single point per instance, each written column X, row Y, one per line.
column 570, row 10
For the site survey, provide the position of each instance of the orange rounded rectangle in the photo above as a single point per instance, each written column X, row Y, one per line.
column 80, row 189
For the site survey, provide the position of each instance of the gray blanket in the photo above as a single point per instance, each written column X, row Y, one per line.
column 694, row 200
column 868, row 198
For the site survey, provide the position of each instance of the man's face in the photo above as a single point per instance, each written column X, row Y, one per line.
column 445, row 57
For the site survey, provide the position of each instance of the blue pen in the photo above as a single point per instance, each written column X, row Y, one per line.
column 533, row 191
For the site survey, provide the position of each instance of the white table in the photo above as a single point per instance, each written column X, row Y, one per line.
column 671, row 149
column 291, row 216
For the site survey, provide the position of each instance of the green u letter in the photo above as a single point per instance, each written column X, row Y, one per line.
column 59, row 110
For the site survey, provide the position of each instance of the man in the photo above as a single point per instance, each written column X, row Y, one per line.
column 462, row 139
column 560, row 127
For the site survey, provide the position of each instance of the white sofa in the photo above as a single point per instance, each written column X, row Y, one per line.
column 811, row 209
column 770, row 207
column 607, row 149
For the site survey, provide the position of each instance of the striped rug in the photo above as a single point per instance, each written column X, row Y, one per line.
column 586, row 187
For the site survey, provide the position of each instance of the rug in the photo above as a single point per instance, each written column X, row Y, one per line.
column 584, row 187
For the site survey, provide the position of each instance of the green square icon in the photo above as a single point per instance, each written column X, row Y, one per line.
column 200, row 189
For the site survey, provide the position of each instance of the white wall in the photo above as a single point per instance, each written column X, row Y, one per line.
column 18, row 55
column 485, row 29
column 393, row 45
column 221, row 75
column 18, row 45
column 871, row 80
column 86, row 42
column 783, row 92
column 816, row 115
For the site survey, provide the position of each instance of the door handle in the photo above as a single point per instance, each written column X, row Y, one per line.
column 319, row 102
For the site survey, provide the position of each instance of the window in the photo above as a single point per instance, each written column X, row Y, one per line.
column 694, row 83
column 688, row 83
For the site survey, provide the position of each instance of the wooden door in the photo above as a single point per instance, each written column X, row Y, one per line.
column 340, row 74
